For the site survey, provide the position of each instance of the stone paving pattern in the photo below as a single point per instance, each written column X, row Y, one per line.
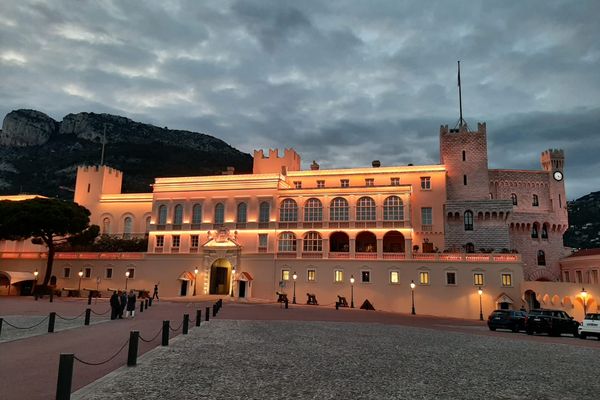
column 242, row 359
column 9, row 333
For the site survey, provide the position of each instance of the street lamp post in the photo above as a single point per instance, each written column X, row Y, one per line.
column 412, row 295
column 35, row 274
column 351, row 291
column 126, row 279
column 584, row 297
column 295, row 276
column 80, row 273
column 480, row 304
column 195, row 280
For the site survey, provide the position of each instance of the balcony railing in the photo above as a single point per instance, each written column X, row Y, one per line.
column 339, row 254
column 365, row 256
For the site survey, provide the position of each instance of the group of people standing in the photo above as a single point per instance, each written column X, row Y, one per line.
column 121, row 301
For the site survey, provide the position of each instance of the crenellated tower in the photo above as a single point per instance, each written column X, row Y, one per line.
column 273, row 164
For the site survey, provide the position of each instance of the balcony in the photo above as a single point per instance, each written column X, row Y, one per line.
column 339, row 255
column 429, row 257
column 365, row 256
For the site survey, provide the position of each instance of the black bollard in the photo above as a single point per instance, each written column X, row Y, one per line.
column 214, row 310
column 88, row 314
column 90, row 298
column 286, row 303
column 51, row 296
column 2, row 320
column 36, row 296
column 65, row 376
column 198, row 318
column 51, row 320
column 134, row 337
column 165, row 333
column 146, row 304
column 141, row 306
column 186, row 324
column 337, row 305
column 150, row 302
column 207, row 317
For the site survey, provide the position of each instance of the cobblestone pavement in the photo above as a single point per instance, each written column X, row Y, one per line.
column 244, row 359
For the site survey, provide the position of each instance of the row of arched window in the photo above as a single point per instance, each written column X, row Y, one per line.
column 535, row 231
column 106, row 228
column 365, row 242
column 219, row 213
column 535, row 201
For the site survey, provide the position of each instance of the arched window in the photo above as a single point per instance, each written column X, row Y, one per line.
column 393, row 209
column 545, row 231
column 219, row 214
column 535, row 201
column 106, row 226
column 313, row 211
column 264, row 213
column 287, row 242
column 288, row 211
column 148, row 222
column 534, row 231
column 513, row 197
column 338, row 209
column 197, row 214
column 365, row 209
column 312, row 242
column 242, row 212
column 541, row 257
column 127, row 227
column 468, row 220
column 178, row 215
column 162, row 215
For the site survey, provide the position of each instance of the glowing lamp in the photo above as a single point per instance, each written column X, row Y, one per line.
column 36, row 273
column 196, row 271
column 80, row 273
column 412, row 284
column 583, row 293
column 127, row 274
column 352, row 279
column 480, row 291
column 295, row 276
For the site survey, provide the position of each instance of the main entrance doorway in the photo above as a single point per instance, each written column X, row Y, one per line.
column 220, row 277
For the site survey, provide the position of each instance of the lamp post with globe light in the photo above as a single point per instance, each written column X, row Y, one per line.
column 351, row 291
column 126, row 279
column 80, row 273
column 412, row 295
column 232, row 280
column 195, row 280
column 35, row 274
column 295, row 276
column 584, row 295
column 480, row 292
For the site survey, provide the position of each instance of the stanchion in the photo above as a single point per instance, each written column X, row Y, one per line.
column 198, row 318
column 186, row 324
column 146, row 304
column 51, row 296
column 88, row 313
column 90, row 298
column 150, row 302
column 134, row 337
column 65, row 376
column 214, row 310
column 51, row 320
column 141, row 306
column 207, row 317
column 165, row 333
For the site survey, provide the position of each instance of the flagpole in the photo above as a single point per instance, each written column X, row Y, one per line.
column 460, row 122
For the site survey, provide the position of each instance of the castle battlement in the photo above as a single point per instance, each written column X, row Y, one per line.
column 96, row 168
column 273, row 163
column 481, row 129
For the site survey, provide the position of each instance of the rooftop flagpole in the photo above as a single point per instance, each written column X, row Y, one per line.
column 103, row 145
column 461, row 121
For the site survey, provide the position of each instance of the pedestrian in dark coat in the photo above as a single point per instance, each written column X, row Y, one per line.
column 130, row 304
column 123, row 300
column 155, row 294
column 115, row 305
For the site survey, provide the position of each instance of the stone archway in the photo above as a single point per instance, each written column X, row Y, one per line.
column 220, row 276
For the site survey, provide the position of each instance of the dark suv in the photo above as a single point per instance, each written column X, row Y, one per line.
column 553, row 322
column 507, row 319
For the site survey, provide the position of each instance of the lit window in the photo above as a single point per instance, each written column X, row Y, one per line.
column 264, row 212
column 242, row 212
column 219, row 214
column 425, row 182
column 450, row 278
column 160, row 241
column 287, row 242
column 393, row 209
column 338, row 211
column 109, row 273
column 365, row 209
column 178, row 215
column 313, row 211
column 66, row 272
column 394, row 277
column 311, row 275
column 313, row 242
column 285, row 274
column 344, row 183
column 87, row 272
column 426, row 216
column 288, row 211
column 365, row 276
column 338, row 275
column 176, row 239
column 535, row 202
column 424, row 278
column 162, row 215
column 197, row 214
column 478, row 279
column 194, row 240
column 506, row 279
column 369, row 182
column 131, row 273
column 298, row 184
column 320, row 184
column 468, row 220
column 395, row 181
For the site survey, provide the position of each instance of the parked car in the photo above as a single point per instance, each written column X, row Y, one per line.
column 590, row 326
column 553, row 322
column 507, row 319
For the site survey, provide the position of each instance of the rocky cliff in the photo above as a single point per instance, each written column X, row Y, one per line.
column 40, row 155
column 584, row 222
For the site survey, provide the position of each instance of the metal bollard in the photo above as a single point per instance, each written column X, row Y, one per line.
column 2, row 320
column 134, row 337
column 88, row 314
column 150, row 302
column 146, row 304
column 186, row 324
column 198, row 318
column 141, row 306
column 90, row 298
column 207, row 317
column 51, row 320
column 337, row 305
column 51, row 296
column 214, row 310
column 165, row 333
column 286, row 304
column 65, row 376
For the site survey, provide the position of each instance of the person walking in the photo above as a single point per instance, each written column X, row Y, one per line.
column 115, row 305
column 130, row 305
column 123, row 304
column 155, row 294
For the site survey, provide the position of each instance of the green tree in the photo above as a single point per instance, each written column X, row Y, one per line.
column 45, row 221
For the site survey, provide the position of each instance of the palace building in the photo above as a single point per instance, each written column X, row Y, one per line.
column 450, row 228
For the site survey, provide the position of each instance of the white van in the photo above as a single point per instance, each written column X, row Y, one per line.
column 590, row 326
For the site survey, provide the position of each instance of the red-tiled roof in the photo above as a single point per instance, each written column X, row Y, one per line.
column 586, row 252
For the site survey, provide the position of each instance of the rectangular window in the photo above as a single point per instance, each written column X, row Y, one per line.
column 344, row 183
column 66, row 272
column 338, row 275
column 424, row 278
column 263, row 239
column 194, row 241
column 566, row 277
column 131, row 273
column 426, row 216
column 506, row 279
column 285, row 274
column 465, row 180
column 298, row 184
column 369, row 182
column 450, row 278
column 425, row 182
column 579, row 276
column 108, row 274
column 176, row 240
column 311, row 275
column 365, row 276
column 478, row 279
column 320, row 184
column 394, row 277
column 395, row 181
column 87, row 272
column 160, row 241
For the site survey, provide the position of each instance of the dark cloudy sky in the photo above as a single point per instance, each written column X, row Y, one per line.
column 343, row 82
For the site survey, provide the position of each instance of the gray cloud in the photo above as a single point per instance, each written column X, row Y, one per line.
column 342, row 82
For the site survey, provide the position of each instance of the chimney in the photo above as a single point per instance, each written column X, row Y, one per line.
column 376, row 163
column 314, row 166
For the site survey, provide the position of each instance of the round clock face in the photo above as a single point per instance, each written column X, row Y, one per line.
column 558, row 175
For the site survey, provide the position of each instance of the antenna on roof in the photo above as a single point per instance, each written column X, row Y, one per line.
column 461, row 121
column 103, row 145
